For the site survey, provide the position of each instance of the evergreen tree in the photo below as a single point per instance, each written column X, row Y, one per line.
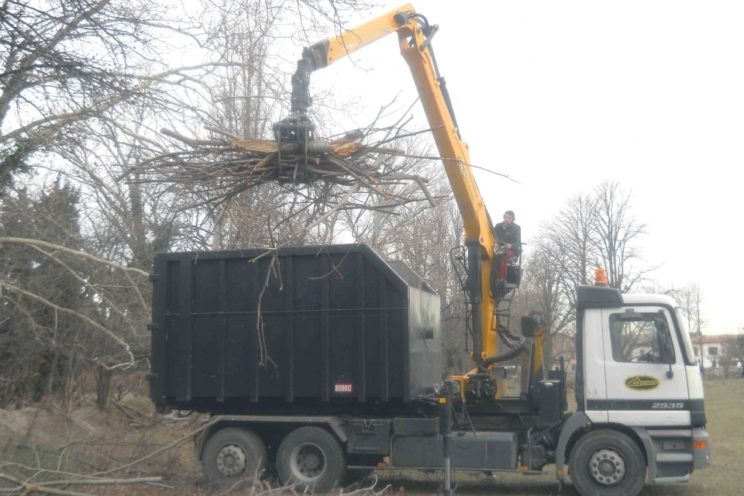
column 39, row 343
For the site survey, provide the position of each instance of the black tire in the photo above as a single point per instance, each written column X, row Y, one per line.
column 607, row 463
column 231, row 454
column 311, row 459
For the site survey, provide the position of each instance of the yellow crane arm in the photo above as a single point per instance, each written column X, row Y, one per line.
column 414, row 35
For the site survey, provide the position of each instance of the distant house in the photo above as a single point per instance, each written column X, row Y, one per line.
column 563, row 345
column 715, row 350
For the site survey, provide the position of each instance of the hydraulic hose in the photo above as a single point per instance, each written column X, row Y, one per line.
column 503, row 358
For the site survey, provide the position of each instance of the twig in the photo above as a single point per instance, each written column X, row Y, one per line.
column 190, row 141
column 35, row 488
column 87, row 284
column 367, row 490
column 10, row 478
column 77, row 253
column 93, row 482
column 127, row 411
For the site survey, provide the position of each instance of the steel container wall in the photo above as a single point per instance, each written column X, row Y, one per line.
column 342, row 329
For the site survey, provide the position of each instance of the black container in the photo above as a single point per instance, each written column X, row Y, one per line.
column 342, row 329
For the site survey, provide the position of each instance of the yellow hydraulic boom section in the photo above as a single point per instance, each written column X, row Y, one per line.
column 414, row 35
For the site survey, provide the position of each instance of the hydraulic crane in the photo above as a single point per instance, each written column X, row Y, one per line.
column 415, row 35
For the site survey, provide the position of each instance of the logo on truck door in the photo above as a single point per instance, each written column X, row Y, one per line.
column 641, row 382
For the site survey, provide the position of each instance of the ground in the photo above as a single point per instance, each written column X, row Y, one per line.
column 86, row 440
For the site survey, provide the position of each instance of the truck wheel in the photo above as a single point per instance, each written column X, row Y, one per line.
column 311, row 459
column 232, row 454
column 608, row 463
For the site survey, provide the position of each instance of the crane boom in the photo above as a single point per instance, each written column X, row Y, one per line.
column 414, row 36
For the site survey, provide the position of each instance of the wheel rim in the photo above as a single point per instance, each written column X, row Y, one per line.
column 607, row 467
column 231, row 460
column 307, row 462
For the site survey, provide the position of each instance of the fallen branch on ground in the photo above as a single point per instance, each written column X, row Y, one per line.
column 26, row 487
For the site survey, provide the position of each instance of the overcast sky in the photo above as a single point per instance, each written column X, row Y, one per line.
column 563, row 95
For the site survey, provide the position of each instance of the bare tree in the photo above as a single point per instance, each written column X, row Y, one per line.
column 67, row 63
column 247, row 94
column 543, row 291
column 81, row 311
column 617, row 233
column 86, row 87
column 690, row 299
column 566, row 251
column 592, row 230
column 597, row 230
column 573, row 236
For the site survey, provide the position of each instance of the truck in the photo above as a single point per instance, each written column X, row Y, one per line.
column 318, row 361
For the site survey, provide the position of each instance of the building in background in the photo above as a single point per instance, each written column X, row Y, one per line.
column 722, row 354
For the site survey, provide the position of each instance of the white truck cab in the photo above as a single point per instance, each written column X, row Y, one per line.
column 638, row 391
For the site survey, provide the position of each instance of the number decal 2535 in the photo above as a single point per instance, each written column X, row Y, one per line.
column 667, row 405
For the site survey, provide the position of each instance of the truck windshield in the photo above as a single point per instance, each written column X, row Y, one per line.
column 685, row 335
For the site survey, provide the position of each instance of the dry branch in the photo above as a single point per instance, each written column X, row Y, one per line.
column 85, row 318
column 26, row 488
column 77, row 253
column 223, row 166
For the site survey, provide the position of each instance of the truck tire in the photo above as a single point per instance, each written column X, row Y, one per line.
column 607, row 463
column 311, row 459
column 233, row 453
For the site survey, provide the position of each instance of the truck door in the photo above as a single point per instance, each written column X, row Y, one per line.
column 644, row 368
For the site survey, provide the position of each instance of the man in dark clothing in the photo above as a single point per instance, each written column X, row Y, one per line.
column 505, row 271
column 509, row 234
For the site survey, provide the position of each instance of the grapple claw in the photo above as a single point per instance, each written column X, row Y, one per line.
column 297, row 128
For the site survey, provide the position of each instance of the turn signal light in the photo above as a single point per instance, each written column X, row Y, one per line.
column 702, row 444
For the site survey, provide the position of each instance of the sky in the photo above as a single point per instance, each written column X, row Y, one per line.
column 562, row 96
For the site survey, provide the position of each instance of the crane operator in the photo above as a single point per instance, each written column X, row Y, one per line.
column 509, row 235
column 505, row 272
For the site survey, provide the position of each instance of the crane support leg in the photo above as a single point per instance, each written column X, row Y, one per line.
column 475, row 257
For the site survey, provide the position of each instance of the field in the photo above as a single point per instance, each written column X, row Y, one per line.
column 85, row 440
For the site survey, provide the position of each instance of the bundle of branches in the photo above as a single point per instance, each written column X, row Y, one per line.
column 227, row 166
